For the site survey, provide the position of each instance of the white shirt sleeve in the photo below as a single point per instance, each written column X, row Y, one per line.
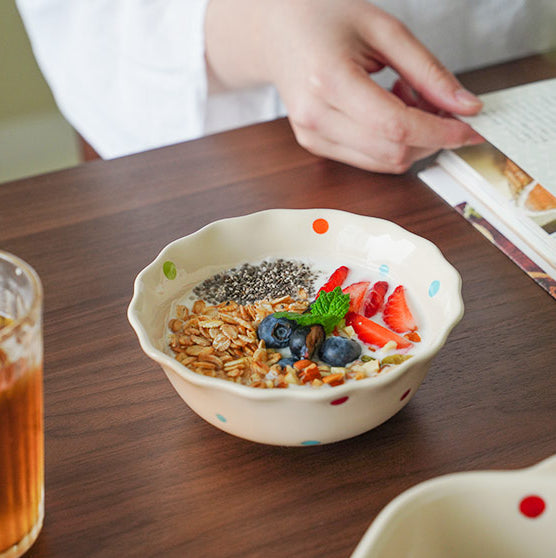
column 129, row 75
column 468, row 34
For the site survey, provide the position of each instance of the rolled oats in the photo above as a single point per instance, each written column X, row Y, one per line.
column 229, row 331
column 221, row 343
column 220, row 340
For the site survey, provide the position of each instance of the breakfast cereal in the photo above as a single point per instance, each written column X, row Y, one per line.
column 263, row 326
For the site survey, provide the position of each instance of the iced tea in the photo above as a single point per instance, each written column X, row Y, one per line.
column 21, row 407
column 21, row 458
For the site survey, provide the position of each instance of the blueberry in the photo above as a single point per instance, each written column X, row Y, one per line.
column 339, row 351
column 276, row 332
column 306, row 341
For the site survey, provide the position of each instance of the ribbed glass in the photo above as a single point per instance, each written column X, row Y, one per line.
column 21, row 407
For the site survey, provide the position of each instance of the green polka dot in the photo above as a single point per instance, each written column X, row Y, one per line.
column 169, row 269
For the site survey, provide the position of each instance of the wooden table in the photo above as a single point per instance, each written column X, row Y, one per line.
column 132, row 471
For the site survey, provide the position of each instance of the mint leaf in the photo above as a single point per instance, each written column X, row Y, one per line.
column 327, row 310
column 334, row 302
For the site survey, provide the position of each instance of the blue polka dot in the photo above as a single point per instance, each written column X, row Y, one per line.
column 310, row 443
column 434, row 288
column 221, row 418
column 384, row 269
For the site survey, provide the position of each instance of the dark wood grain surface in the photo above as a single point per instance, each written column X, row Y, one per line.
column 132, row 471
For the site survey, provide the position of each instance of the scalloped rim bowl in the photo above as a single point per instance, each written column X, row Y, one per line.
column 496, row 514
column 300, row 417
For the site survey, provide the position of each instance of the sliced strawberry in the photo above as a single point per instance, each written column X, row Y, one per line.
column 397, row 314
column 375, row 299
column 371, row 333
column 356, row 292
column 335, row 280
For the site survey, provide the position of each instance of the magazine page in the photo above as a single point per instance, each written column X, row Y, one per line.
column 506, row 187
column 521, row 123
column 507, row 190
column 488, row 224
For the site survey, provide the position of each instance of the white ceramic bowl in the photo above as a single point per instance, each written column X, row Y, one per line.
column 491, row 514
column 297, row 417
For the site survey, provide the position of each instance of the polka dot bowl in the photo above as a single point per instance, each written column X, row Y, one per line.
column 300, row 415
column 496, row 514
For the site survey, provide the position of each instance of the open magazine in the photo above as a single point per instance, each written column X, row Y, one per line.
column 506, row 187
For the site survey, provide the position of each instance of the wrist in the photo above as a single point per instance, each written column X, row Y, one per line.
column 236, row 43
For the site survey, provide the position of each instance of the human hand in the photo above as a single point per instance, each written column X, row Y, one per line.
column 319, row 54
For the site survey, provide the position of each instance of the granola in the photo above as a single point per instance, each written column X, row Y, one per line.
column 221, row 341
column 230, row 328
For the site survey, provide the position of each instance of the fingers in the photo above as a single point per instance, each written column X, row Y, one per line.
column 348, row 117
column 336, row 129
column 412, row 60
column 318, row 145
column 390, row 118
column 412, row 98
column 330, row 133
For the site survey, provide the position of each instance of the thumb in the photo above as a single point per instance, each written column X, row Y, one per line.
column 422, row 70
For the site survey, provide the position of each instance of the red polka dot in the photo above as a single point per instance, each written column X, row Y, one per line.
column 320, row 226
column 339, row 401
column 405, row 394
column 532, row 506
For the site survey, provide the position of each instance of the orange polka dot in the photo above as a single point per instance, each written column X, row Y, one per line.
column 320, row 226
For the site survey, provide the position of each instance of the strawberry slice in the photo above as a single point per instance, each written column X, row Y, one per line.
column 335, row 280
column 356, row 292
column 397, row 314
column 371, row 333
column 375, row 299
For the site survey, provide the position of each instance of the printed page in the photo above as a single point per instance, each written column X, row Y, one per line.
column 489, row 224
column 521, row 123
column 517, row 200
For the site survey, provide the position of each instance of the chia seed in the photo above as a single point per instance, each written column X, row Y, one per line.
column 252, row 282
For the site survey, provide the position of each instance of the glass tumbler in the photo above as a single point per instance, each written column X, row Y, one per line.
column 21, row 407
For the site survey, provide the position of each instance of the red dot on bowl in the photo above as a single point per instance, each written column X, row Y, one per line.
column 532, row 506
column 339, row 401
column 320, row 226
column 405, row 394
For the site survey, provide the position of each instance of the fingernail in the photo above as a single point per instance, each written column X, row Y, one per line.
column 475, row 139
column 467, row 98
